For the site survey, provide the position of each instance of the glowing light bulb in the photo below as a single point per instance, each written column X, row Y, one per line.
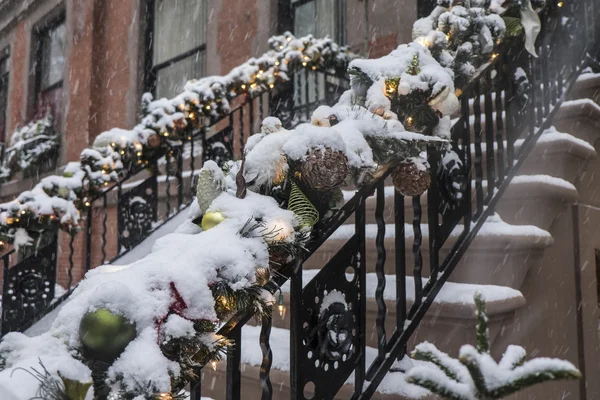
column 304, row 64
column 87, row 204
column 560, row 4
column 409, row 120
column 244, row 87
column 214, row 365
column 494, row 56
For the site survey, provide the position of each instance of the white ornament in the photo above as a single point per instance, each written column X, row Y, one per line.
column 403, row 88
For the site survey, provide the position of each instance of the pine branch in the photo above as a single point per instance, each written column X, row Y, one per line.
column 428, row 352
column 536, row 371
column 469, row 357
column 513, row 357
column 436, row 382
column 483, row 339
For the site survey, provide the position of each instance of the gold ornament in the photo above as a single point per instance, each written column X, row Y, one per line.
column 280, row 172
column 212, row 219
column 263, row 275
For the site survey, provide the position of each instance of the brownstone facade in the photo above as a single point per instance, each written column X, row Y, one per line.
column 105, row 62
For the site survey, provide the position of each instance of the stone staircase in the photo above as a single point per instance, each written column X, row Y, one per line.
column 521, row 260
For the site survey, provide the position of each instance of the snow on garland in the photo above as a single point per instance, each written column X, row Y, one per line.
column 30, row 146
column 168, row 305
column 56, row 201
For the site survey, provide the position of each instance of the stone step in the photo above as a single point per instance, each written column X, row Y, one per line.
column 587, row 86
column 452, row 314
column 501, row 253
column 393, row 386
column 530, row 199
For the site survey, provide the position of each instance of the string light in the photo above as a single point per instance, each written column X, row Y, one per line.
column 277, row 63
column 214, row 365
column 165, row 396
column 304, row 64
column 409, row 120
column 560, row 4
column 448, row 36
column 494, row 56
column 87, row 204
column 280, row 305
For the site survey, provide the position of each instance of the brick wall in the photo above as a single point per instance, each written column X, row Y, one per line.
column 236, row 28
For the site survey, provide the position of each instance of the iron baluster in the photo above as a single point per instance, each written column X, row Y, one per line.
column 380, row 268
column 70, row 270
column 296, row 332
column 478, row 153
column 168, row 159
column 360, row 371
column 306, row 95
column 88, row 240
column 196, row 389
column 400, row 247
column 380, row 273
column 241, row 138
column 418, row 258
column 489, row 136
column 499, row 93
column 466, row 139
column 104, row 210
column 234, row 356
column 192, row 167
column 179, row 175
column 543, row 53
column 265, row 367
column 433, row 205
column 252, row 119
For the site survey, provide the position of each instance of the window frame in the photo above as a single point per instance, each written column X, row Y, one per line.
column 341, row 24
column 151, row 76
column 38, row 34
column 5, row 82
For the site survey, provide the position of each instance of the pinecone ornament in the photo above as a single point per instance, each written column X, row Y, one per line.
column 324, row 170
column 411, row 179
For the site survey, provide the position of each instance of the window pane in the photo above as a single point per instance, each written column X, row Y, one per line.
column 304, row 19
column 321, row 18
column 179, row 26
column 170, row 80
column 53, row 56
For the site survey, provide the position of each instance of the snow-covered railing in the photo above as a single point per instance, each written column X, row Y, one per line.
column 130, row 182
column 257, row 218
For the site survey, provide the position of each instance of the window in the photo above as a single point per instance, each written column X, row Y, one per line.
column 178, row 44
column 49, row 66
column 4, row 72
column 320, row 18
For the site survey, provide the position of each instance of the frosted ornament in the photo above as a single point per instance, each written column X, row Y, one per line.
column 207, row 189
column 403, row 88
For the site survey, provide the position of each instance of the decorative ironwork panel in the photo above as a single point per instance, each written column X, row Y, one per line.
column 28, row 288
column 219, row 147
column 326, row 347
column 137, row 212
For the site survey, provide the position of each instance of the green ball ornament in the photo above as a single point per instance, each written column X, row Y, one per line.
column 104, row 335
column 211, row 219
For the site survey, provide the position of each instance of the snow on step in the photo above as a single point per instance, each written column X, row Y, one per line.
column 552, row 135
column 494, row 226
column 393, row 383
column 587, row 77
column 581, row 103
column 451, row 293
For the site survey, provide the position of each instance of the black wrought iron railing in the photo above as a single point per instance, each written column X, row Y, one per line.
column 514, row 97
column 122, row 215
